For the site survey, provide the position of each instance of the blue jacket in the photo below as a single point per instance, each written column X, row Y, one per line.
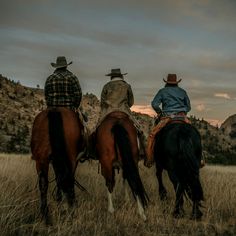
column 173, row 99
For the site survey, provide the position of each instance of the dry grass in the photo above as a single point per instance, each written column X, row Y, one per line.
column 19, row 201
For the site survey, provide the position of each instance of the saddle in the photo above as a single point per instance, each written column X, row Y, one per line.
column 118, row 114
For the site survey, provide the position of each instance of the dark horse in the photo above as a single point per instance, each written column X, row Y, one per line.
column 178, row 150
column 57, row 137
column 116, row 145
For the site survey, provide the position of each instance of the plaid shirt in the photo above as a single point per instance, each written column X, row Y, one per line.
column 62, row 89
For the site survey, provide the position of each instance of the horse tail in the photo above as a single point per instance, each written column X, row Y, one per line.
column 130, row 169
column 189, row 172
column 59, row 156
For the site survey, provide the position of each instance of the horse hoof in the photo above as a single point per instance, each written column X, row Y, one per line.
column 48, row 221
column 111, row 210
column 196, row 216
column 178, row 214
column 59, row 197
column 163, row 195
column 144, row 217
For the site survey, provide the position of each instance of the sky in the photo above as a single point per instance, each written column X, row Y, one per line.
column 148, row 39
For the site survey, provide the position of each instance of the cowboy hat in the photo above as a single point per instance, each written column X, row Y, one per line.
column 172, row 79
column 61, row 62
column 116, row 73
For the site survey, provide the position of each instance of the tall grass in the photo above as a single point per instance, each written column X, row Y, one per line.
column 19, row 204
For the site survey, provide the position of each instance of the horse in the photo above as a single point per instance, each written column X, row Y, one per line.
column 178, row 150
column 117, row 147
column 57, row 138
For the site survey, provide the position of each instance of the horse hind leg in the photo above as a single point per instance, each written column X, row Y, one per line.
column 110, row 183
column 196, row 213
column 141, row 211
column 162, row 190
column 126, row 193
column 43, row 187
column 110, row 202
column 179, row 201
column 179, row 192
column 58, row 193
column 70, row 195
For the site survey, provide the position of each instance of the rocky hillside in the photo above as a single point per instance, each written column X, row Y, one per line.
column 229, row 126
column 19, row 105
column 218, row 146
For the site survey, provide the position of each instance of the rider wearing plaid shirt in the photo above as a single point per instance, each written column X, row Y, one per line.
column 62, row 88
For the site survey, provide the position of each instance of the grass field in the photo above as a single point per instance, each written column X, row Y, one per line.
column 19, row 204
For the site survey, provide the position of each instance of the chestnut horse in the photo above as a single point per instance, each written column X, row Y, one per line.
column 178, row 150
column 57, row 138
column 116, row 145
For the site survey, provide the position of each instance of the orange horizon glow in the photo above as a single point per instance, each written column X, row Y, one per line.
column 147, row 109
column 144, row 109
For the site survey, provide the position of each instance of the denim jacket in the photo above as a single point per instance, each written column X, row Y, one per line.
column 173, row 99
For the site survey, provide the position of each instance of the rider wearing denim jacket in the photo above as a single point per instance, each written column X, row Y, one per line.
column 173, row 98
column 175, row 105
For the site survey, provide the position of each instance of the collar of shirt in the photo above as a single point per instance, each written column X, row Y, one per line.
column 117, row 79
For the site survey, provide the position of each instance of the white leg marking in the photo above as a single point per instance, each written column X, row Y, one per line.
column 140, row 209
column 110, row 203
column 125, row 184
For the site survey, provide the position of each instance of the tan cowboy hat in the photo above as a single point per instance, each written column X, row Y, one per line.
column 61, row 62
column 172, row 79
column 116, row 72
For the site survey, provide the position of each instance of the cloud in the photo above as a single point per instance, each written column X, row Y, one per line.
column 222, row 95
column 200, row 107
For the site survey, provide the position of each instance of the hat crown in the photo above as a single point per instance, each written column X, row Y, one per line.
column 171, row 78
column 116, row 72
column 61, row 62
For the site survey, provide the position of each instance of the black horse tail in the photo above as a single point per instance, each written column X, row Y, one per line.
column 130, row 169
column 189, row 169
column 59, row 156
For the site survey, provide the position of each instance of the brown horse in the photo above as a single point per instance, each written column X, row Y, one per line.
column 116, row 145
column 57, row 137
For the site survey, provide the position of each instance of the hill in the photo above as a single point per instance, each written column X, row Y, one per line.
column 229, row 126
column 20, row 104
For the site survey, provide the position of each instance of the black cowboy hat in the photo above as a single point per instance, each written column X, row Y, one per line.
column 116, row 72
column 61, row 62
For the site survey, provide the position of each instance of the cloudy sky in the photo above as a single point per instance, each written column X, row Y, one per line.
column 145, row 38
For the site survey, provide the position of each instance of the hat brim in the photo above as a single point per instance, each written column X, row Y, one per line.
column 172, row 82
column 114, row 74
column 60, row 66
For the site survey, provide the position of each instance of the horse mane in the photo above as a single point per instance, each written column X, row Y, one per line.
column 130, row 170
column 59, row 154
